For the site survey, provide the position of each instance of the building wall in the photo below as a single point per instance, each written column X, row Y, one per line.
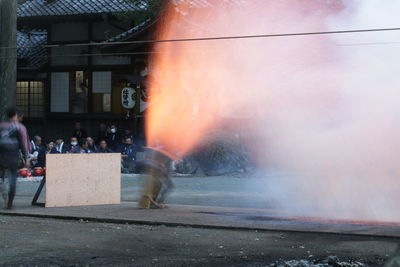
column 64, row 32
column 55, row 124
column 103, row 31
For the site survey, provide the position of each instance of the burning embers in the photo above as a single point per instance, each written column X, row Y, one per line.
column 156, row 165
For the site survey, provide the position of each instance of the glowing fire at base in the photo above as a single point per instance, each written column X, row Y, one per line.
column 156, row 165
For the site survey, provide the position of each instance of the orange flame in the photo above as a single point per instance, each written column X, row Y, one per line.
column 195, row 84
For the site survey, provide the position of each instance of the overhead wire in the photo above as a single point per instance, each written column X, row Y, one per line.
column 370, row 44
column 192, row 40
column 153, row 52
column 215, row 38
column 85, row 55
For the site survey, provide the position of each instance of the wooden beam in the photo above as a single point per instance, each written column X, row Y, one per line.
column 8, row 60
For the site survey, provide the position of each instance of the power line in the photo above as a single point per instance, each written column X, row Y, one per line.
column 370, row 44
column 148, row 53
column 85, row 55
column 208, row 38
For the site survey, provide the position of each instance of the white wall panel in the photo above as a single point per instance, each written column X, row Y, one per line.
column 59, row 92
column 102, row 82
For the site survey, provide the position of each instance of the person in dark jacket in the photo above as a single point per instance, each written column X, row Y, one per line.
column 14, row 142
column 114, row 138
column 60, row 147
column 91, row 144
column 79, row 132
column 103, row 148
column 36, row 143
column 74, row 145
column 49, row 147
column 127, row 134
column 38, row 155
column 128, row 152
column 83, row 147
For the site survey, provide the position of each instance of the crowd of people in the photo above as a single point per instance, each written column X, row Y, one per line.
column 109, row 140
column 17, row 151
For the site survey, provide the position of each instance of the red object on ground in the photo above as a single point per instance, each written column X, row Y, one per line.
column 24, row 172
column 38, row 171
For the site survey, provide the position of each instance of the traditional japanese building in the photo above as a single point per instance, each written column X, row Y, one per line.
column 64, row 76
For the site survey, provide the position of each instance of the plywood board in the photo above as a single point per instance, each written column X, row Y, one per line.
column 83, row 179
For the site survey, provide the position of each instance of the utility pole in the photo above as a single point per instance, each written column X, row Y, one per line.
column 8, row 57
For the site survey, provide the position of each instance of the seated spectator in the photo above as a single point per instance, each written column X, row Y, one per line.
column 60, row 147
column 103, row 148
column 74, row 145
column 92, row 145
column 127, row 134
column 113, row 138
column 38, row 156
column 35, row 143
column 83, row 147
column 49, row 147
column 79, row 132
column 128, row 153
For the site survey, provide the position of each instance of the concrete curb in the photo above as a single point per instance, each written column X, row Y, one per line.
column 203, row 222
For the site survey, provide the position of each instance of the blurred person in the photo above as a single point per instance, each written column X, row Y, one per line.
column 20, row 117
column 14, row 142
column 59, row 147
column 103, row 147
column 79, row 132
column 20, row 120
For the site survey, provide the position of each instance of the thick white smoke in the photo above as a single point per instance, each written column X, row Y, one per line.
column 324, row 109
column 346, row 158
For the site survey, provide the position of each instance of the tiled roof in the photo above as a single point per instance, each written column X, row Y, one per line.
column 131, row 32
column 39, row 8
column 147, row 23
column 33, row 54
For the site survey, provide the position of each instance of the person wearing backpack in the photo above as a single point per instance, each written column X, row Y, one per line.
column 14, row 142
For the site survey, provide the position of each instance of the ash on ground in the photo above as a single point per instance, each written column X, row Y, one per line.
column 327, row 262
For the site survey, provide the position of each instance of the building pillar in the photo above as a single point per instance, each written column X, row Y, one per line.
column 8, row 54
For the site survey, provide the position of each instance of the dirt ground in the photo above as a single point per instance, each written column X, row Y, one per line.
column 26, row 241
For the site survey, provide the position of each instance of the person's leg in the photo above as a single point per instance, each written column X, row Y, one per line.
column 123, row 168
column 3, row 187
column 12, row 178
column 131, row 166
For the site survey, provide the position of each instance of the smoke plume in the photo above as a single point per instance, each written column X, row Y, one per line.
column 322, row 108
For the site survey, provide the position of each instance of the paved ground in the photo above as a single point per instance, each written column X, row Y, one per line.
column 204, row 191
column 113, row 234
column 32, row 241
column 206, row 217
column 217, row 202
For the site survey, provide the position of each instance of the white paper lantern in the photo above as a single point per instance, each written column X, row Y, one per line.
column 128, row 97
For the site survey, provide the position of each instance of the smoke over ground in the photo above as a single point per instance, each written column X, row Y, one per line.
column 322, row 107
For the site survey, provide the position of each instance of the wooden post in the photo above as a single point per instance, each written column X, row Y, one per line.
column 8, row 57
column 137, row 109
